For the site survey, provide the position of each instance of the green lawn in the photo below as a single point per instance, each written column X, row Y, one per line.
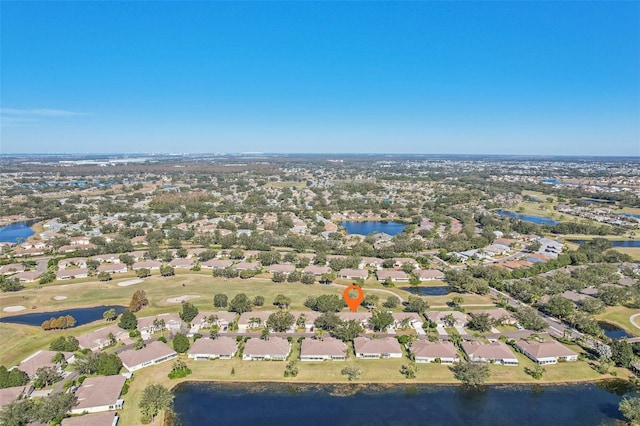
column 619, row 315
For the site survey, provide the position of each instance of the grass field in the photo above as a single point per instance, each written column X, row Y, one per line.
column 23, row 340
column 619, row 315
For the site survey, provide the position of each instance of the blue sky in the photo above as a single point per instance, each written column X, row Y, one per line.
column 377, row 77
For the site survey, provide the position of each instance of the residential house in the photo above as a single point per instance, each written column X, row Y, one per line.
column 407, row 319
column 79, row 262
column 393, row 275
column 99, row 419
column 353, row 274
column 247, row 266
column 547, row 352
column 203, row 349
column 324, row 349
column 149, row 325
column 386, row 347
column 216, row 264
column 67, row 274
column 430, row 275
column 154, row 353
column 43, row 358
column 100, row 338
column 180, row 263
column 113, row 268
column 443, row 317
column 316, row 270
column 306, row 320
column 152, row 265
column 425, row 351
column 27, row 276
column 98, row 394
column 276, row 349
column 11, row 268
column 8, row 395
column 252, row 320
column 285, row 269
column 499, row 316
column 221, row 318
column 495, row 353
column 362, row 317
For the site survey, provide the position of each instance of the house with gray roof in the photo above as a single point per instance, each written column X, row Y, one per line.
column 494, row 353
column 98, row 419
column 223, row 347
column 275, row 349
column 386, row 347
column 547, row 352
column 98, row 394
column 425, row 351
column 326, row 349
column 154, row 353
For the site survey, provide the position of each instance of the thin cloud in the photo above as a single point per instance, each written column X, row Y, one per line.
column 39, row 112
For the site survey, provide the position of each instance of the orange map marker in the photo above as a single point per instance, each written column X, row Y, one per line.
column 353, row 303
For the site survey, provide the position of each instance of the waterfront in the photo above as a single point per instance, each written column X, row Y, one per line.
column 614, row 243
column 284, row 404
column 16, row 231
column 538, row 220
column 81, row 315
column 368, row 227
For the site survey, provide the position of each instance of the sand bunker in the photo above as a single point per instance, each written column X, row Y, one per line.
column 17, row 308
column 60, row 297
column 128, row 283
column 183, row 298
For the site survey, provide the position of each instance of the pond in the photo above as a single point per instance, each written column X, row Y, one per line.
column 428, row 291
column 369, row 404
column 81, row 315
column 612, row 331
column 621, row 243
column 368, row 227
column 14, row 231
column 538, row 220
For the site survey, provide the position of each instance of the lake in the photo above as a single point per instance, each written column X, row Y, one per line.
column 612, row 331
column 82, row 315
column 10, row 233
column 366, row 228
column 622, row 243
column 428, row 291
column 538, row 220
column 280, row 404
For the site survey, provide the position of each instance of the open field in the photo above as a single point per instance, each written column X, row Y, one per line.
column 23, row 340
column 634, row 252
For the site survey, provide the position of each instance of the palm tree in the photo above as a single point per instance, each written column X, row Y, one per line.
column 112, row 339
column 265, row 334
column 254, row 322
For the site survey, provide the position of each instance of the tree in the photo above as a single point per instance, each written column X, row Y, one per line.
column 55, row 407
column 18, row 413
column 381, row 320
column 530, row 319
column 104, row 276
column 307, row 278
column 352, row 373
column 143, row 272
column 64, row 344
column 264, row 335
column 138, row 301
column 282, row 301
column 472, row 374
column 630, row 409
column 456, row 301
column 47, row 277
column 189, row 312
column 180, row 343
column 128, row 321
column 258, row 301
column 611, row 295
column 370, row 301
column 327, row 321
column 536, row 372
column 179, row 370
column 621, row 353
column 409, row 370
column 329, row 303
column 154, row 399
column 240, row 304
column 46, row 376
column 559, row 307
column 109, row 314
column 481, row 322
column 348, row 330
column 291, row 369
column 391, row 302
column 220, row 300
column 167, row 271
column 280, row 321
column 108, row 364
column 416, row 304
column 13, row 378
